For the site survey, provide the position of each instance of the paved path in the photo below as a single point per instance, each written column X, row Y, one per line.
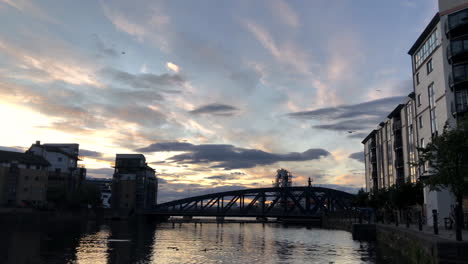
column 445, row 234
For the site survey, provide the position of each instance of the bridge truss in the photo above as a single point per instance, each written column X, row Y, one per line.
column 297, row 202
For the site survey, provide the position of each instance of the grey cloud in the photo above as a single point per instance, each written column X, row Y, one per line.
column 359, row 156
column 167, row 146
column 350, row 125
column 90, row 153
column 226, row 177
column 357, row 118
column 146, row 80
column 216, row 109
column 247, row 79
column 103, row 48
column 376, row 108
column 229, row 156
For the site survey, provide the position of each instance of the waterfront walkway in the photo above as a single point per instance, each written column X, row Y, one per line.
column 444, row 234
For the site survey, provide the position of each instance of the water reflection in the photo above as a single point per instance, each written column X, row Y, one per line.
column 131, row 242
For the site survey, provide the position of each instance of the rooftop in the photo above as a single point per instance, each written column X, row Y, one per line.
column 24, row 158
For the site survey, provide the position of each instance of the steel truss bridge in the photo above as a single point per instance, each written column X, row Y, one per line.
column 290, row 202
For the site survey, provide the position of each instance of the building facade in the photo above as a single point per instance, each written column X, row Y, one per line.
column 23, row 179
column 389, row 149
column 105, row 186
column 439, row 60
column 64, row 170
column 134, row 184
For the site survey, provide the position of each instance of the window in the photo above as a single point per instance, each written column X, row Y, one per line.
column 417, row 78
column 419, row 99
column 26, row 177
column 461, row 100
column 420, row 122
column 430, row 92
column 422, row 143
column 429, row 66
column 426, row 49
column 59, row 159
column 25, row 189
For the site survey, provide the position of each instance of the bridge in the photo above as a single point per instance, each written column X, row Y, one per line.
column 290, row 202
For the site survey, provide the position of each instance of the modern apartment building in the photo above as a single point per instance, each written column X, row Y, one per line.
column 23, row 179
column 389, row 149
column 134, row 184
column 440, row 81
column 64, row 170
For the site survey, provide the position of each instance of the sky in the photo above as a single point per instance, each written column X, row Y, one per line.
column 217, row 95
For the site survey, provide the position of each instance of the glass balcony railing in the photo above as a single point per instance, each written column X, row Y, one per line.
column 457, row 24
column 459, row 77
column 398, row 143
column 396, row 125
column 457, row 51
column 399, row 163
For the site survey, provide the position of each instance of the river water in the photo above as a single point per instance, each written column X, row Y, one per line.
column 128, row 242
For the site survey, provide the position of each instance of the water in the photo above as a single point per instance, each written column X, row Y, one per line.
column 123, row 242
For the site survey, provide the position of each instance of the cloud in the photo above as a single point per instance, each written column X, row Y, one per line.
column 103, row 48
column 91, row 154
column 377, row 108
column 226, row 177
column 350, row 125
column 28, row 6
column 359, row 156
column 216, row 109
column 229, row 156
column 356, row 118
column 173, row 67
column 284, row 12
column 146, row 80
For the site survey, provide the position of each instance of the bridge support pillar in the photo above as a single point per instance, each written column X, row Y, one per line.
column 220, row 219
column 187, row 217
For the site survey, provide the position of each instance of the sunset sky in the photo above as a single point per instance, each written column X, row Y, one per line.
column 216, row 94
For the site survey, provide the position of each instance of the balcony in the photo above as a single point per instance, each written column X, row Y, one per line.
column 396, row 125
column 399, row 163
column 457, row 24
column 457, row 51
column 459, row 77
column 398, row 143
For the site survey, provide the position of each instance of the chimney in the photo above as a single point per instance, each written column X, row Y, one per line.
column 38, row 142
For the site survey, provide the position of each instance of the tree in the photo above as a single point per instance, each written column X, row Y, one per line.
column 361, row 199
column 446, row 159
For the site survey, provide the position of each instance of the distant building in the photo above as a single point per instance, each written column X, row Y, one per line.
column 23, row 179
column 390, row 151
column 64, row 169
column 105, row 186
column 134, row 184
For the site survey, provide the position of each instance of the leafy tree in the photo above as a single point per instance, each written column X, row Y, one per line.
column 446, row 159
column 361, row 199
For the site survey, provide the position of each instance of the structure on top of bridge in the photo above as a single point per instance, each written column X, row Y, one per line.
column 290, row 202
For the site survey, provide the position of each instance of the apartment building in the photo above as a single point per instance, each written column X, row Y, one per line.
column 23, row 179
column 134, row 184
column 440, row 83
column 64, row 170
column 389, row 149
